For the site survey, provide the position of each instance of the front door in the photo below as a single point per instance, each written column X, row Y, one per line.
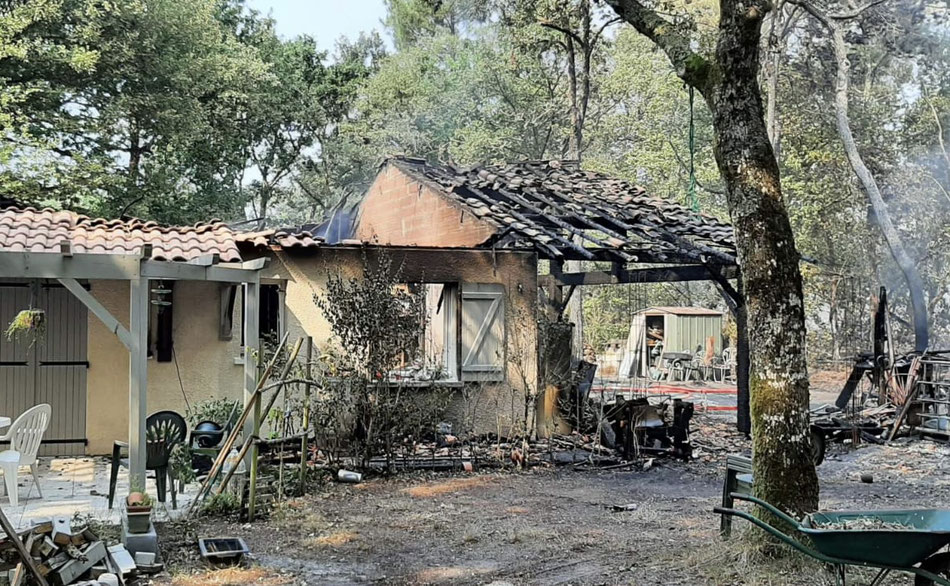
column 50, row 368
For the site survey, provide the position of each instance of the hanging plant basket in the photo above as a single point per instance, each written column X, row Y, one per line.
column 28, row 323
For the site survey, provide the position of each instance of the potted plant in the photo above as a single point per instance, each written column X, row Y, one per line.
column 138, row 511
column 29, row 323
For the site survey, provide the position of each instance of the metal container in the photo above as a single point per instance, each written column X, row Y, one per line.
column 349, row 476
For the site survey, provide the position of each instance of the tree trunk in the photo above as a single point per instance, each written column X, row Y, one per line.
column 881, row 216
column 135, row 158
column 574, row 144
column 772, row 283
column 773, row 124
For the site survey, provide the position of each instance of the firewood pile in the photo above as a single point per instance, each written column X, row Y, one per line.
column 52, row 552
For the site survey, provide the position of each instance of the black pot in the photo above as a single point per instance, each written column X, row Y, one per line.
column 208, row 434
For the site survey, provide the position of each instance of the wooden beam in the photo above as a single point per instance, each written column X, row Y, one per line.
column 52, row 265
column 120, row 267
column 93, row 305
column 177, row 271
column 205, row 260
column 138, row 380
column 250, row 265
column 648, row 275
column 251, row 347
column 251, row 358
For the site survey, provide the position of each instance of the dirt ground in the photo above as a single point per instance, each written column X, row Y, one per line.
column 549, row 526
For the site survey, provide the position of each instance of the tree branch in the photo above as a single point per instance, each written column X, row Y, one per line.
column 689, row 65
column 562, row 30
column 600, row 30
column 855, row 12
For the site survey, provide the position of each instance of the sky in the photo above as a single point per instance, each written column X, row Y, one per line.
column 325, row 20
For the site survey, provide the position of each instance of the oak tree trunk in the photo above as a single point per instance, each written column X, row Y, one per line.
column 772, row 283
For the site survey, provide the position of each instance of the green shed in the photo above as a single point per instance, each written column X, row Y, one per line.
column 657, row 332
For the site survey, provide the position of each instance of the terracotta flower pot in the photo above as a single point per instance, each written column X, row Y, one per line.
column 138, row 512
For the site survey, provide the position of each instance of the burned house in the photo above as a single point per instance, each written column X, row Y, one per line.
column 558, row 212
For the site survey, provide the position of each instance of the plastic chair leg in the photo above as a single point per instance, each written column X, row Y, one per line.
column 36, row 479
column 9, row 479
column 161, row 480
column 174, row 492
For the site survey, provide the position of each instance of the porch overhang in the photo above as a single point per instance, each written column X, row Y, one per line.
column 66, row 267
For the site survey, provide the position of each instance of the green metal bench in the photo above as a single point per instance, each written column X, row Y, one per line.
column 738, row 480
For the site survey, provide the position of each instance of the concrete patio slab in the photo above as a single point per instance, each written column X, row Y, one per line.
column 80, row 486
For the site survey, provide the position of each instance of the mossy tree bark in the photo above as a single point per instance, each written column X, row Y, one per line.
column 772, row 284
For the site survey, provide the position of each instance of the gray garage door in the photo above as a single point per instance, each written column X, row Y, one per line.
column 51, row 370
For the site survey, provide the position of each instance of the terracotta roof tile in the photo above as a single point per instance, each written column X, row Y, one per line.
column 284, row 238
column 545, row 204
column 29, row 229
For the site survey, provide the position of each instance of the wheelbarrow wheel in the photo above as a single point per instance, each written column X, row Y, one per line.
column 938, row 564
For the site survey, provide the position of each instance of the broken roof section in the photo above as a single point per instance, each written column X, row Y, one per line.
column 568, row 213
column 46, row 230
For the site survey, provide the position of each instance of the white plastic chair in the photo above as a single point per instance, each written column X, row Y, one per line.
column 24, row 436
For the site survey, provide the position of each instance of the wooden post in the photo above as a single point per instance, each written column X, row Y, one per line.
column 252, row 427
column 252, row 493
column 304, row 448
column 138, row 379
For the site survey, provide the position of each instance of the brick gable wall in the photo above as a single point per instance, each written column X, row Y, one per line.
column 401, row 211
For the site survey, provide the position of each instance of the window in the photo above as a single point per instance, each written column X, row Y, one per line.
column 465, row 331
column 270, row 305
column 441, row 336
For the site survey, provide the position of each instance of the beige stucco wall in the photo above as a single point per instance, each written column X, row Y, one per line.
column 206, row 363
column 493, row 406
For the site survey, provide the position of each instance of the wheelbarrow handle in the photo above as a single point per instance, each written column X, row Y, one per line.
column 777, row 533
column 780, row 514
column 813, row 553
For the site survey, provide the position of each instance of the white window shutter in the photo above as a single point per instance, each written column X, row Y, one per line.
column 483, row 332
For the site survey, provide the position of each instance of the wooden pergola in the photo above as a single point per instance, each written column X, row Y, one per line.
column 68, row 268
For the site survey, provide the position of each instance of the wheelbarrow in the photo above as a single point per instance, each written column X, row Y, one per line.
column 912, row 548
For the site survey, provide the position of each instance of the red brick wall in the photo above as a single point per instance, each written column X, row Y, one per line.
column 399, row 210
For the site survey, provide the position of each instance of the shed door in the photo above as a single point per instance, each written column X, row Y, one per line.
column 483, row 332
column 51, row 370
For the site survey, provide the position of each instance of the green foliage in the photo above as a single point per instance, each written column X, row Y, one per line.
column 377, row 323
column 29, row 323
column 181, row 463
column 185, row 110
column 221, row 505
column 162, row 108
column 213, row 409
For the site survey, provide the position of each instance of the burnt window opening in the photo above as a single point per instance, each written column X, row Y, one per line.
column 269, row 305
column 269, row 301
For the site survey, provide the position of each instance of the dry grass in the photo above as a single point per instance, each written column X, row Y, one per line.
column 333, row 539
column 231, row 577
column 740, row 560
column 453, row 485
column 446, row 574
